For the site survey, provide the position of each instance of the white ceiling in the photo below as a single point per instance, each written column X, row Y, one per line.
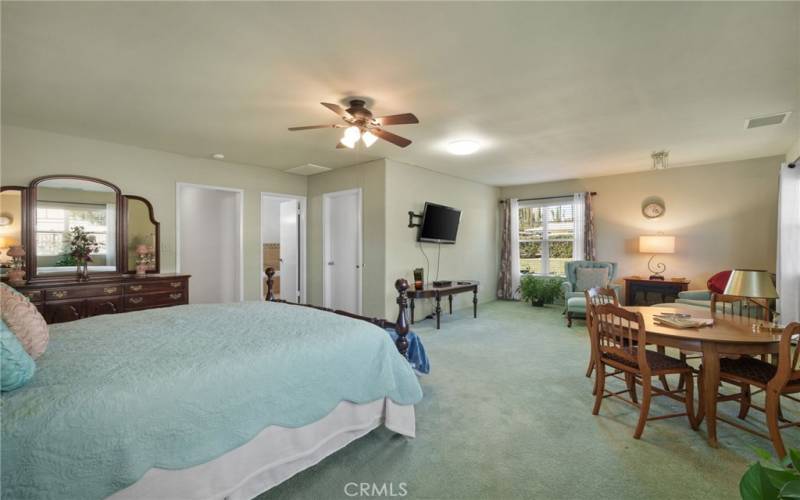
column 552, row 91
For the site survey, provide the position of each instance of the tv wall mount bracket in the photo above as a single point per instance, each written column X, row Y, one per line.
column 411, row 217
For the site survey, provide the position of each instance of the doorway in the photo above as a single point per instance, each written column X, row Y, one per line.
column 342, row 252
column 283, row 245
column 209, row 241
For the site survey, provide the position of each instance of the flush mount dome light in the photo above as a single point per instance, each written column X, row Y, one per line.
column 463, row 147
column 218, row 156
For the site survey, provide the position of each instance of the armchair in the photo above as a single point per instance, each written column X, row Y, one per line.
column 575, row 300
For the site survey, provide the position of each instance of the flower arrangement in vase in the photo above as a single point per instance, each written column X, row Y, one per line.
column 81, row 248
column 144, row 259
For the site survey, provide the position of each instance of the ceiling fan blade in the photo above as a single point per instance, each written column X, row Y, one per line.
column 404, row 119
column 338, row 110
column 309, row 127
column 390, row 137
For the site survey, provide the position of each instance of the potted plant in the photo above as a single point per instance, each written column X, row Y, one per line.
column 772, row 479
column 539, row 290
column 81, row 248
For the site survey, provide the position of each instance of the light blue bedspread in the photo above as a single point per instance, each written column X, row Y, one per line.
column 116, row 395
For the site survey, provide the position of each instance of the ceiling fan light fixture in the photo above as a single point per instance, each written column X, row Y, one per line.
column 369, row 138
column 463, row 147
column 350, row 137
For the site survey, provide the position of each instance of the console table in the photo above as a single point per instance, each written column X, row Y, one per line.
column 437, row 292
column 637, row 290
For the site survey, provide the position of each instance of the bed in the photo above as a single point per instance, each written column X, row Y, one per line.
column 201, row 401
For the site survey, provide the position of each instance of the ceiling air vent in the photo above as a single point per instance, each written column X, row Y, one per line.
column 307, row 169
column 764, row 121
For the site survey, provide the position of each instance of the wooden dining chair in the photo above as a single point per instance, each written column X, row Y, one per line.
column 621, row 341
column 596, row 297
column 777, row 380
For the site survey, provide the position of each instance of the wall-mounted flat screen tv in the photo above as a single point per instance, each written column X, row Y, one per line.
column 439, row 224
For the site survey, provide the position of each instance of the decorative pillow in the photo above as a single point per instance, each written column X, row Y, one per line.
column 16, row 366
column 718, row 282
column 24, row 320
column 591, row 277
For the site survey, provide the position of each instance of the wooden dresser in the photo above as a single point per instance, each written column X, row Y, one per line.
column 68, row 300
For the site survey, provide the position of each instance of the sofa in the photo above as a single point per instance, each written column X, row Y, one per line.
column 575, row 300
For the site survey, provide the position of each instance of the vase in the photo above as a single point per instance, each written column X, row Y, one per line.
column 83, row 270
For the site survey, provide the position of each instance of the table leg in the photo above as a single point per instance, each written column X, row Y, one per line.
column 475, row 303
column 450, row 301
column 438, row 310
column 411, row 306
column 710, row 387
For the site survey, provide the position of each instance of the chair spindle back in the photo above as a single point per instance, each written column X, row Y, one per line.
column 620, row 333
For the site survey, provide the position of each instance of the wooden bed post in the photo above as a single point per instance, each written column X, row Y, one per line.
column 401, row 325
column 270, row 273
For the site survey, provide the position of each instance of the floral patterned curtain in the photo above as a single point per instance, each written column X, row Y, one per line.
column 589, row 248
column 504, row 281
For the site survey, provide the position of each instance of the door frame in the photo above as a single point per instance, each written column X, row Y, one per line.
column 302, row 248
column 240, row 196
column 326, row 281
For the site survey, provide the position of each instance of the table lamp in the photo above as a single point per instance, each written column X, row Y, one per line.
column 656, row 244
column 752, row 284
column 16, row 276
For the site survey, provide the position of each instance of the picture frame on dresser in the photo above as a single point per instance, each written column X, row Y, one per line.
column 123, row 224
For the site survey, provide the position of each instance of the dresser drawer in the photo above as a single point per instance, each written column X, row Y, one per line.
column 83, row 291
column 135, row 302
column 157, row 286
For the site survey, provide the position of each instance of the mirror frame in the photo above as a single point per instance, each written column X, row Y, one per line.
column 157, row 249
column 121, row 236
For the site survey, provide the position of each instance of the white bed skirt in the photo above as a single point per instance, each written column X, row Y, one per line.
column 273, row 456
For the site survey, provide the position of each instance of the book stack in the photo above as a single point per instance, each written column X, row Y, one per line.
column 681, row 321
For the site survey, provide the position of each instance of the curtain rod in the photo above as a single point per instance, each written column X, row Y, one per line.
column 593, row 193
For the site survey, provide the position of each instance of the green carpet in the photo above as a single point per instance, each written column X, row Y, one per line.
column 507, row 414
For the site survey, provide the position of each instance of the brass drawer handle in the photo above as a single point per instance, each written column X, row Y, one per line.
column 176, row 284
column 135, row 288
column 135, row 300
column 175, row 296
column 60, row 294
column 33, row 295
column 110, row 290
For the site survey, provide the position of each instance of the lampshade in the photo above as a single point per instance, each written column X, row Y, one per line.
column 657, row 244
column 751, row 283
column 369, row 138
column 16, row 251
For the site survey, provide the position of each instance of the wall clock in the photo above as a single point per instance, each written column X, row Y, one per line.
column 653, row 207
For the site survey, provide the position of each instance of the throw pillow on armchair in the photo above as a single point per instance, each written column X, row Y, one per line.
column 717, row 282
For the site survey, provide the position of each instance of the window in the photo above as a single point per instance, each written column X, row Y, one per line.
column 546, row 236
column 54, row 220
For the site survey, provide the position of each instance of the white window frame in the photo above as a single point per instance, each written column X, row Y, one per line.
column 545, row 241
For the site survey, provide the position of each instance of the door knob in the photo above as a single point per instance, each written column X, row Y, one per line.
column 330, row 263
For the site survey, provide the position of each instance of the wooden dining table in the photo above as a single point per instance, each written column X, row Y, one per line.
column 728, row 335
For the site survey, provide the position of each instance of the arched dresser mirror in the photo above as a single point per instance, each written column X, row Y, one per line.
column 86, row 247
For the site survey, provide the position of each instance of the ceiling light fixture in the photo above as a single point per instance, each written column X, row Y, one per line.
column 218, row 156
column 463, row 147
column 369, row 138
column 351, row 136
column 660, row 160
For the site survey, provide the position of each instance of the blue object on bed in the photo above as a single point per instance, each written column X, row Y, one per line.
column 16, row 366
column 417, row 357
column 116, row 395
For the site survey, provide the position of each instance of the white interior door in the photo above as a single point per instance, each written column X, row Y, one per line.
column 290, row 250
column 209, row 242
column 342, row 236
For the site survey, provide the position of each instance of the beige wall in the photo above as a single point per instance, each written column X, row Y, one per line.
column 794, row 152
column 28, row 153
column 371, row 179
column 724, row 215
column 475, row 253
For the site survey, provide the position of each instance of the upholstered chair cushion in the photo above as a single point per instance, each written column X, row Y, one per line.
column 591, row 278
column 24, row 321
column 16, row 366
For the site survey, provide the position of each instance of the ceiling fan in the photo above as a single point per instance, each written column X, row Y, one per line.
column 360, row 124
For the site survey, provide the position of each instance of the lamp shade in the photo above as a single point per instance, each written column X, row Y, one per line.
column 751, row 283
column 657, row 244
column 16, row 251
